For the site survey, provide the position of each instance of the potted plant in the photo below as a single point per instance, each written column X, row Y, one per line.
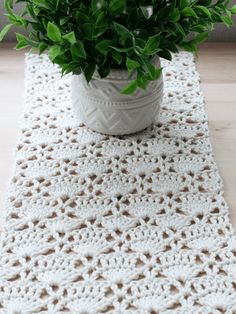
column 112, row 48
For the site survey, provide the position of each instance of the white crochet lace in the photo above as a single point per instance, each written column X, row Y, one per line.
column 134, row 224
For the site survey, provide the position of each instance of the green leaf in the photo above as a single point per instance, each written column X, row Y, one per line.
column 131, row 64
column 227, row 20
column 157, row 73
column 87, row 30
column 152, row 73
column 145, row 12
column 130, row 89
column 142, row 81
column 64, row 20
column 53, row 32
column 22, row 42
column 121, row 29
column 78, row 50
column 165, row 54
column 42, row 48
column 94, row 5
column 183, row 4
column 53, row 52
column 70, row 37
column 71, row 67
column 233, row 9
column 204, row 10
column 100, row 25
column 189, row 46
column 103, row 46
column 101, row 20
column 152, row 45
column 89, row 71
column 175, row 15
column 200, row 38
column 117, row 6
column 180, row 29
column 42, row 3
column 21, row 45
column 188, row 11
column 198, row 28
column 117, row 57
column 4, row 31
column 151, row 70
column 81, row 17
column 56, row 3
column 121, row 49
column 103, row 71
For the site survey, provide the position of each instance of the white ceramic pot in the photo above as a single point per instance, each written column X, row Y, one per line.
column 101, row 106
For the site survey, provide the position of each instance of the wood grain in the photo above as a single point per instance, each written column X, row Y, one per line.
column 217, row 66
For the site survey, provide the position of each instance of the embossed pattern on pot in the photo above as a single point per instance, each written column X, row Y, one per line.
column 101, row 106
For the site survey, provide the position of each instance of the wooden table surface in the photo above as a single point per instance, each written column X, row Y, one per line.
column 217, row 66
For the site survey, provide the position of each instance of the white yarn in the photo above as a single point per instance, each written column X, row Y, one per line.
column 134, row 224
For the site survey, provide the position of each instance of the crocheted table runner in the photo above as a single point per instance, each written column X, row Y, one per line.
column 101, row 224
